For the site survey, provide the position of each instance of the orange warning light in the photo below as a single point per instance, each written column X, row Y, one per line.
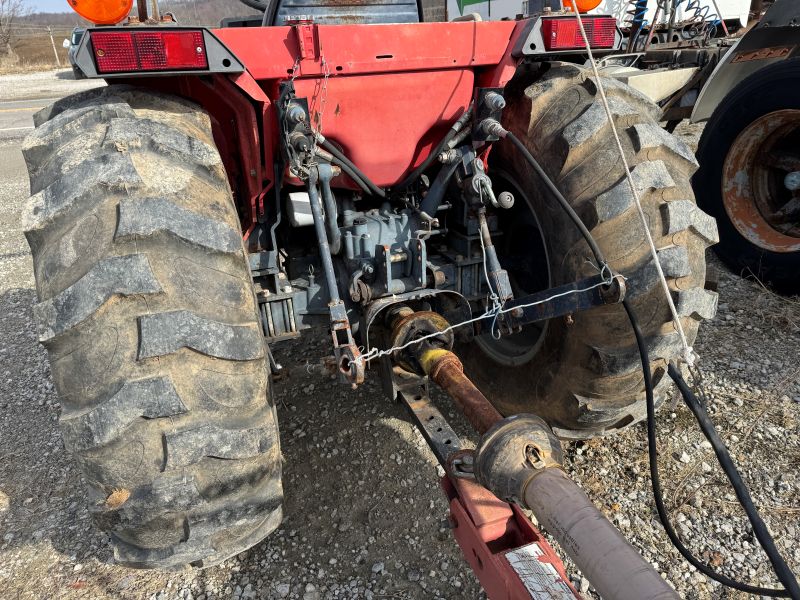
column 102, row 12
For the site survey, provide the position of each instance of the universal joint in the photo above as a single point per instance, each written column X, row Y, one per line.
column 512, row 452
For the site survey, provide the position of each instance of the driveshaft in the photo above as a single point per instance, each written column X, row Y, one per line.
column 520, row 460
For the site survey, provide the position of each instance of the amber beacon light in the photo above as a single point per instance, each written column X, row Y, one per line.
column 102, row 12
column 581, row 5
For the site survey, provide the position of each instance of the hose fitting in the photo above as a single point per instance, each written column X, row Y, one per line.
column 492, row 127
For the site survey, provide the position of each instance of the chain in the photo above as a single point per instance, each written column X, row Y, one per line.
column 326, row 73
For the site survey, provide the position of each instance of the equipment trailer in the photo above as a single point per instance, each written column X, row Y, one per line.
column 456, row 202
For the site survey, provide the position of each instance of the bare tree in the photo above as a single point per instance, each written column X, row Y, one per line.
column 10, row 11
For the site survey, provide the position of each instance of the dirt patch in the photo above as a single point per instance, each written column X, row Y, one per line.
column 35, row 53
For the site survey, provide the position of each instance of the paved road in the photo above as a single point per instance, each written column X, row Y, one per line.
column 20, row 97
column 16, row 119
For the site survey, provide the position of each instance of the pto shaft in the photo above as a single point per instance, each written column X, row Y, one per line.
column 444, row 369
column 519, row 460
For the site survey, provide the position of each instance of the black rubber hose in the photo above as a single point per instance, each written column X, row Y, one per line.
column 650, row 401
column 255, row 4
column 417, row 173
column 782, row 570
column 656, row 480
column 434, row 154
column 352, row 175
column 598, row 254
column 374, row 189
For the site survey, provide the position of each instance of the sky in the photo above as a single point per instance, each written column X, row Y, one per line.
column 48, row 5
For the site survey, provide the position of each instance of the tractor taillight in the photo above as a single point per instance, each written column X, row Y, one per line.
column 563, row 33
column 120, row 51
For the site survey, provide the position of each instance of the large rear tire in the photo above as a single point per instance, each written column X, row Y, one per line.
column 747, row 152
column 148, row 315
column 582, row 373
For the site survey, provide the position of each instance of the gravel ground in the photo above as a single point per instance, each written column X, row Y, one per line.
column 364, row 516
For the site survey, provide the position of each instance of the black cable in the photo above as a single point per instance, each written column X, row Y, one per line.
column 374, row 189
column 781, row 569
column 352, row 175
column 656, row 480
column 598, row 254
column 434, row 154
column 416, row 173
column 763, row 535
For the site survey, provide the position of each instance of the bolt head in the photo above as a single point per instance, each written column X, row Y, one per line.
column 792, row 181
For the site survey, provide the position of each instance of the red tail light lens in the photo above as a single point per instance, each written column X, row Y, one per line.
column 120, row 51
column 564, row 33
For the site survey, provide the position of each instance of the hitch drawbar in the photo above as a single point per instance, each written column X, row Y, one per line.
column 518, row 461
column 509, row 556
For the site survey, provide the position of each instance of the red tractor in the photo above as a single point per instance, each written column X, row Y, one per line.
column 351, row 166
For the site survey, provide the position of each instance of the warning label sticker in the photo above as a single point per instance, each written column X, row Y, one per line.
column 540, row 578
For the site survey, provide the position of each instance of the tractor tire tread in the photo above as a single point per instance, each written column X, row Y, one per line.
column 589, row 382
column 147, row 311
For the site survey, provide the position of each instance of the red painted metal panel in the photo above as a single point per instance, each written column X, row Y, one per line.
column 271, row 52
column 487, row 530
column 388, row 124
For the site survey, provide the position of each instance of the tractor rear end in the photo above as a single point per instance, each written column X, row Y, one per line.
column 234, row 187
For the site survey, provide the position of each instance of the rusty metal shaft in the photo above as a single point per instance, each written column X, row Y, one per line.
column 444, row 368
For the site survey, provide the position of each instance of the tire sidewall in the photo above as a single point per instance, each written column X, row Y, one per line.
column 774, row 88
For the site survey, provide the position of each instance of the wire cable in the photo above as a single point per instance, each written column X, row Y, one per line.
column 688, row 352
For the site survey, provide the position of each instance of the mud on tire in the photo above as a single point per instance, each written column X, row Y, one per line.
column 148, row 315
column 583, row 373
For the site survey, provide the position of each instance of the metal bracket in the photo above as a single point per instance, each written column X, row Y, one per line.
column 510, row 557
column 345, row 350
column 307, row 38
column 563, row 300
column 294, row 119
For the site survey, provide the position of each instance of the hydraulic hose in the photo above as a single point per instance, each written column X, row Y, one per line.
column 347, row 164
column 760, row 530
column 598, row 254
column 455, row 128
column 349, row 172
column 782, row 571
column 656, row 482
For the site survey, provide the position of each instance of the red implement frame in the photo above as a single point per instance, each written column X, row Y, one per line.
column 501, row 544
